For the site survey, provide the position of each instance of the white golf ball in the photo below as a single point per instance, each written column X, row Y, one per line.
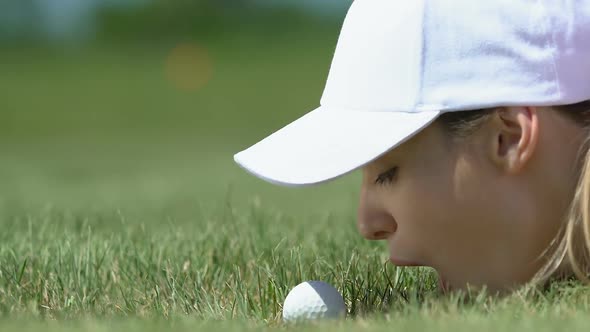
column 313, row 300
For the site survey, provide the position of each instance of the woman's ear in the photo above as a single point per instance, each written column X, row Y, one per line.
column 515, row 134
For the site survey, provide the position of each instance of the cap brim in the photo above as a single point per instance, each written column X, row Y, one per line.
column 327, row 143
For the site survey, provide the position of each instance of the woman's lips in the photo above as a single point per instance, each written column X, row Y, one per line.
column 401, row 262
column 443, row 284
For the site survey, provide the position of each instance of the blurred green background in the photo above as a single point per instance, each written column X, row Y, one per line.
column 121, row 103
column 119, row 196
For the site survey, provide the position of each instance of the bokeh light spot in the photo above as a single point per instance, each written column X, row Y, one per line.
column 189, row 67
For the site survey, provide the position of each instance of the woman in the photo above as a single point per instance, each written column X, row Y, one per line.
column 471, row 123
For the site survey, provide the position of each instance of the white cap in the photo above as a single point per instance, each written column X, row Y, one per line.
column 400, row 64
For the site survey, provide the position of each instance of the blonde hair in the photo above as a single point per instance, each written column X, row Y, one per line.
column 568, row 255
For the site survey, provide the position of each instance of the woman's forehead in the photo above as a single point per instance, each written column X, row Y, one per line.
column 423, row 142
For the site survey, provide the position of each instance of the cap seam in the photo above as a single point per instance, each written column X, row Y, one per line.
column 419, row 100
column 551, row 32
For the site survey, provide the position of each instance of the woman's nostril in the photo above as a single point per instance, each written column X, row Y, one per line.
column 381, row 235
column 375, row 223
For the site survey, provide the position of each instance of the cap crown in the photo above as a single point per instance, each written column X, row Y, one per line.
column 424, row 55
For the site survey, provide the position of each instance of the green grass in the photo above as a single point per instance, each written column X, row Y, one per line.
column 121, row 207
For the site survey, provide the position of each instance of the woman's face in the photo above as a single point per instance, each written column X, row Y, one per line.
column 480, row 211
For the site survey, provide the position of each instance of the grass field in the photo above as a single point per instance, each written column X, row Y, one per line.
column 121, row 207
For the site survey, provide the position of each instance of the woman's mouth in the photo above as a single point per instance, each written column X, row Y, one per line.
column 401, row 262
column 443, row 285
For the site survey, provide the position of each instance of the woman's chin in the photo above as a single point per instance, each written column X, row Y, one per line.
column 443, row 285
column 446, row 287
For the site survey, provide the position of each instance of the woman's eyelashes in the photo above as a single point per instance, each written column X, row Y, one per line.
column 387, row 177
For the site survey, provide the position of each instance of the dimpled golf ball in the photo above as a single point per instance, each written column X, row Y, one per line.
column 312, row 300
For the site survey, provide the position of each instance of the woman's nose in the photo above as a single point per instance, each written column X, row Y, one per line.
column 374, row 223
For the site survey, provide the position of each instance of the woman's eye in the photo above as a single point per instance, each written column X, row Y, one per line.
column 387, row 177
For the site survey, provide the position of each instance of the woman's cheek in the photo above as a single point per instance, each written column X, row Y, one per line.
column 425, row 217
